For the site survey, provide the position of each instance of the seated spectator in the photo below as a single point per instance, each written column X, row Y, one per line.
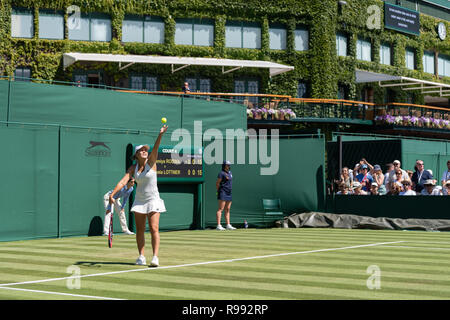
column 430, row 189
column 397, row 165
column 378, row 177
column 410, row 174
column 387, row 175
column 420, row 176
column 364, row 177
column 397, row 181
column 407, row 189
column 343, row 189
column 446, row 188
column 357, row 189
column 345, row 178
column 396, row 189
column 374, row 189
column 446, row 174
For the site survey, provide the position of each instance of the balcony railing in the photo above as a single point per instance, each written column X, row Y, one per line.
column 270, row 107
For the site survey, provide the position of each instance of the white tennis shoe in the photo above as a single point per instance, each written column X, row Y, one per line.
column 128, row 232
column 155, row 262
column 230, row 227
column 140, row 261
column 219, row 227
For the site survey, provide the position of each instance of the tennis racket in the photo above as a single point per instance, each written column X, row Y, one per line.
column 110, row 234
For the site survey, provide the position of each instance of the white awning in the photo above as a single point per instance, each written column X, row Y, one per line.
column 406, row 83
column 180, row 62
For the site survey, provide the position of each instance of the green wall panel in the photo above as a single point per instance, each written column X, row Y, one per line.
column 30, row 183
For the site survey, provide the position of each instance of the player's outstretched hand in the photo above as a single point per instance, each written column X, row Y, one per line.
column 163, row 129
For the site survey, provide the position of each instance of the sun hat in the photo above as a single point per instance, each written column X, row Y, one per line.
column 429, row 182
column 377, row 167
column 356, row 185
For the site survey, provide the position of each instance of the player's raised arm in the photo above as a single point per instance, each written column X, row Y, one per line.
column 154, row 154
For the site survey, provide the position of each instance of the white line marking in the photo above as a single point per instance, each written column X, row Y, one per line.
column 408, row 247
column 199, row 263
column 61, row 293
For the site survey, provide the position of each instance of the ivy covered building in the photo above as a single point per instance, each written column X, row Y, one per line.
column 326, row 42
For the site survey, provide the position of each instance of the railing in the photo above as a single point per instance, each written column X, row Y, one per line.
column 284, row 107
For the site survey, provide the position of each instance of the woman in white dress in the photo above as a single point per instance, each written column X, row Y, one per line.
column 147, row 204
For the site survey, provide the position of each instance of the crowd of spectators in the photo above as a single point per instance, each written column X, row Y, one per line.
column 365, row 179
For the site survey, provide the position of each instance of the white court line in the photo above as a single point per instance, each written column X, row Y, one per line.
column 409, row 247
column 61, row 293
column 198, row 263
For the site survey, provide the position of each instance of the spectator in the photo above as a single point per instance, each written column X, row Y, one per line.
column 446, row 174
column 387, row 177
column 343, row 189
column 396, row 189
column 397, row 165
column 185, row 88
column 357, row 189
column 346, row 179
column 397, row 182
column 430, row 189
column 410, row 174
column 407, row 187
column 374, row 189
column 378, row 177
column 420, row 176
column 364, row 177
column 446, row 188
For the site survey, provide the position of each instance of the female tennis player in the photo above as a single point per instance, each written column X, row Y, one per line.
column 147, row 204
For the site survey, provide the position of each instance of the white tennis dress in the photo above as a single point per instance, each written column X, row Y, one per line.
column 147, row 198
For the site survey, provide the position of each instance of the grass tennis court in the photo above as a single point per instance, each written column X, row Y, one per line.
column 252, row 264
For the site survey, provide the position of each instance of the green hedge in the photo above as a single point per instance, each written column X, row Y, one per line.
column 320, row 66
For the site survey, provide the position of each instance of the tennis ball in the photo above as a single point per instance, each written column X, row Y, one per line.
column 163, row 120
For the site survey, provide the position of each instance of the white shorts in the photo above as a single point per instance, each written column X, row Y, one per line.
column 155, row 205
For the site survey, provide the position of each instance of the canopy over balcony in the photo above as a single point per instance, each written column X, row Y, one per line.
column 177, row 63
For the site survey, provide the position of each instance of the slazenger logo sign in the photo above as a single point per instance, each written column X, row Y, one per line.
column 97, row 149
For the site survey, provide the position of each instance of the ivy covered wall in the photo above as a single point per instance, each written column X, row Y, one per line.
column 319, row 66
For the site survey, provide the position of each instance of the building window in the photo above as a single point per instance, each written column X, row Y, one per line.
column 88, row 78
column 242, row 35
column 194, row 32
column 277, row 37
column 385, row 54
column 363, row 50
column 91, row 27
column 247, row 86
column 144, row 82
column 428, row 62
column 444, row 66
column 302, row 90
column 301, row 39
column 139, row 29
column 409, row 59
column 51, row 25
column 22, row 74
column 199, row 84
column 341, row 45
column 22, row 24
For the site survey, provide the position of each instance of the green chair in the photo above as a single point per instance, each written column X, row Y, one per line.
column 272, row 209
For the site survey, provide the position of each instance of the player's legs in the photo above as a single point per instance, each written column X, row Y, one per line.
column 153, row 221
column 140, row 220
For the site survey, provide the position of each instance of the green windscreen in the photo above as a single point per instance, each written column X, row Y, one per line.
column 29, row 185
